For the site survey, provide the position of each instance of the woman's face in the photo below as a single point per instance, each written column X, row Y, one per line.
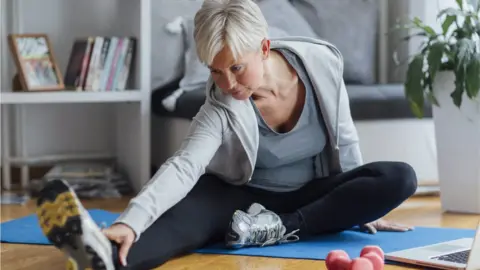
column 242, row 77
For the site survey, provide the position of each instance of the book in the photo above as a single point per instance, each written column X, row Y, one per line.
column 99, row 63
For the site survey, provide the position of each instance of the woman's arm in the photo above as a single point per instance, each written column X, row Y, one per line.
column 177, row 176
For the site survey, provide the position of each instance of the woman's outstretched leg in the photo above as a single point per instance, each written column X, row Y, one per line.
column 70, row 228
column 201, row 217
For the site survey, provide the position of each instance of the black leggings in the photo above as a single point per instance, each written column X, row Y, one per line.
column 326, row 205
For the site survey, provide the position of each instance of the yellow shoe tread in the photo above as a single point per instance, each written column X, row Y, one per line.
column 56, row 213
column 71, row 264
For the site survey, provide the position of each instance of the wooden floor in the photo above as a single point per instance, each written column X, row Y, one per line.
column 419, row 211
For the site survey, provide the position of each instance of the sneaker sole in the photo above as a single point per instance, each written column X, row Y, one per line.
column 59, row 217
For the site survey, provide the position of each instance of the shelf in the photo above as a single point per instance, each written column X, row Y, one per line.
column 52, row 159
column 69, row 97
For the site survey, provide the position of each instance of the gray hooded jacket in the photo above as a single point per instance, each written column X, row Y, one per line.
column 223, row 137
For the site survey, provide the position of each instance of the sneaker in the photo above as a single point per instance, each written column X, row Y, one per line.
column 257, row 227
column 68, row 226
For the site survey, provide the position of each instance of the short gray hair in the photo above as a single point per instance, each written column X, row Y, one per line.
column 239, row 24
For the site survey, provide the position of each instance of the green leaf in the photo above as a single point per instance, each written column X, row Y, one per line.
column 448, row 22
column 413, row 85
column 419, row 34
column 417, row 21
column 404, row 39
column 465, row 51
column 417, row 111
column 473, row 77
column 457, row 94
column 429, row 30
column 460, row 3
column 432, row 99
column 450, row 12
column 434, row 58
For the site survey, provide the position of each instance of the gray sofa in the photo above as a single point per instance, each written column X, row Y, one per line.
column 367, row 102
column 351, row 25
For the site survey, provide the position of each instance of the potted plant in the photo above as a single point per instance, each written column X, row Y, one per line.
column 445, row 72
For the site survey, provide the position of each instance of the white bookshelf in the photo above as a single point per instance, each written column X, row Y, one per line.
column 70, row 97
column 126, row 113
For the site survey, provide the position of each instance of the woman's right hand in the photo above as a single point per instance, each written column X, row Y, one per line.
column 124, row 236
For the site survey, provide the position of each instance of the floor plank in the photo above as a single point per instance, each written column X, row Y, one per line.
column 418, row 211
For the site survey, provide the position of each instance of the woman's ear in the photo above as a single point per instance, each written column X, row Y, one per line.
column 265, row 48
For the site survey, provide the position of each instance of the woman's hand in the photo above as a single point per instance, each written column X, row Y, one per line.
column 383, row 225
column 124, row 236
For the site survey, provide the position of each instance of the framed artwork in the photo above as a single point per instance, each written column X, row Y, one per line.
column 36, row 64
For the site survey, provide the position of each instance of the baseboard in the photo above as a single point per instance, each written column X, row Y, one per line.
column 427, row 191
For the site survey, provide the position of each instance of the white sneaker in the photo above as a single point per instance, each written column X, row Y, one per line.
column 257, row 227
column 67, row 224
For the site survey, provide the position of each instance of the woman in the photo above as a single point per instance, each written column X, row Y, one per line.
column 271, row 157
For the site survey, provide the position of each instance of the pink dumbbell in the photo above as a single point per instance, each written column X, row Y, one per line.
column 371, row 258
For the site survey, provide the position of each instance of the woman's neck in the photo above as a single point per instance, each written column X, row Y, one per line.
column 279, row 78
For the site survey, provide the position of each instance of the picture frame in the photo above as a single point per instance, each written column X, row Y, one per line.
column 36, row 64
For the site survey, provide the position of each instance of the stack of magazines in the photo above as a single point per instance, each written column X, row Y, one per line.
column 89, row 179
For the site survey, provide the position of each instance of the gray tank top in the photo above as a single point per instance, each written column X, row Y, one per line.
column 286, row 161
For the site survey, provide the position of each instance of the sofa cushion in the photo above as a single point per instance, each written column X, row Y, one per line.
column 367, row 102
column 351, row 25
column 381, row 101
column 283, row 15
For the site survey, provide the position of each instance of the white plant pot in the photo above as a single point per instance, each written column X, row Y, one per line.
column 457, row 134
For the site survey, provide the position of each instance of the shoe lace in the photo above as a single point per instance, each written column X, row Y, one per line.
column 271, row 234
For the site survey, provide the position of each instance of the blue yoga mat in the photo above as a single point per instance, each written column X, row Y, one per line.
column 26, row 231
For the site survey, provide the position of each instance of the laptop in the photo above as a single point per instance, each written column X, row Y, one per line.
column 457, row 254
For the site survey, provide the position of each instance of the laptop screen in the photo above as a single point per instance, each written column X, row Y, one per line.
column 474, row 258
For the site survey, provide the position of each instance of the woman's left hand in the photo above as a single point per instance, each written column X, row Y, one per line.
column 384, row 225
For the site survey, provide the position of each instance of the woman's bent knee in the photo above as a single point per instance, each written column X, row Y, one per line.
column 403, row 178
column 397, row 179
